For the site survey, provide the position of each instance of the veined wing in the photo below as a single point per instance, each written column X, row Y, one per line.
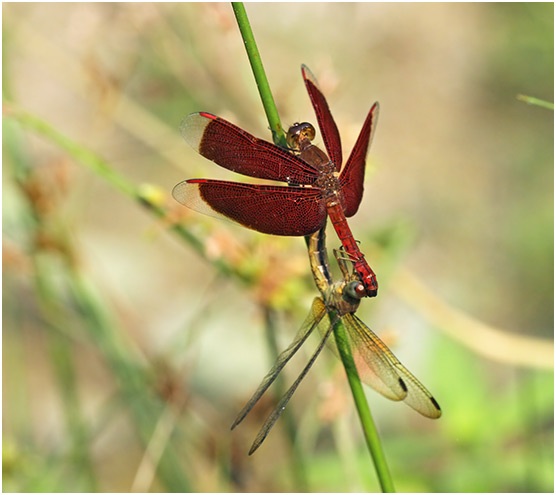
column 353, row 174
column 370, row 360
column 365, row 343
column 318, row 310
column 277, row 210
column 306, row 329
column 235, row 149
column 327, row 126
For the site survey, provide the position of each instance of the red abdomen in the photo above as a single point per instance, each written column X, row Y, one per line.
column 366, row 274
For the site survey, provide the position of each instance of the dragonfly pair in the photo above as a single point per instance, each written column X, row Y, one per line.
column 316, row 189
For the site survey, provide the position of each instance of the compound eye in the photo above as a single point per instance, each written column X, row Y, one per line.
column 360, row 290
column 297, row 132
column 308, row 131
column 356, row 290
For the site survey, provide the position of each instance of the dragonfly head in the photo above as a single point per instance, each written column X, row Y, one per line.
column 344, row 296
column 354, row 291
column 300, row 133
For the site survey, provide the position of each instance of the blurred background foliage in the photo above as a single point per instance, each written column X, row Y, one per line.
column 128, row 350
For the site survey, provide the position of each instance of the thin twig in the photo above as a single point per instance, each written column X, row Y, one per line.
column 493, row 343
column 531, row 100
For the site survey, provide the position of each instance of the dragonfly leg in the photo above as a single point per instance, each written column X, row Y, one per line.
column 343, row 257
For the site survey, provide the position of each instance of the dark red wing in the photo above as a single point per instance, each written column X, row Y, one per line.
column 277, row 210
column 353, row 174
column 237, row 150
column 327, row 126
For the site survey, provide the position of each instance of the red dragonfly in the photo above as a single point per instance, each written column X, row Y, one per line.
column 316, row 188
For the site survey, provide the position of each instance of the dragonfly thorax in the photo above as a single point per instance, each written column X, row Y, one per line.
column 344, row 297
column 328, row 181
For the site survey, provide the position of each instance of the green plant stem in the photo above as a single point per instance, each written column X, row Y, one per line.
column 59, row 345
column 369, row 429
column 363, row 410
column 531, row 100
column 259, row 73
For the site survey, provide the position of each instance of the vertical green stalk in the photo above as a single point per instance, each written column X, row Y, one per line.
column 369, row 429
column 259, row 73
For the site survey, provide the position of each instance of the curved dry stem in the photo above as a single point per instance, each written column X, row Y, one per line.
column 488, row 341
column 160, row 438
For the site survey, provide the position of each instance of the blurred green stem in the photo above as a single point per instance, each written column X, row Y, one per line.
column 132, row 377
column 58, row 343
column 60, row 348
column 57, row 264
column 531, row 100
column 102, row 168
column 297, row 460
